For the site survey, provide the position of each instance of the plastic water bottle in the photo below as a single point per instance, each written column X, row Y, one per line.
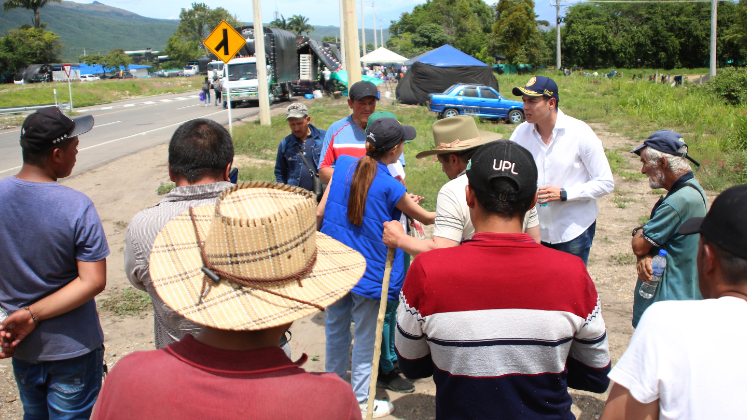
column 3, row 314
column 544, row 212
column 658, row 264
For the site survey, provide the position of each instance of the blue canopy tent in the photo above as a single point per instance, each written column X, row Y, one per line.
column 436, row 70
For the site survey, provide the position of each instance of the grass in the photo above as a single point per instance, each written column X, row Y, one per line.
column 715, row 131
column 643, row 220
column 165, row 188
column 93, row 93
column 130, row 301
column 623, row 258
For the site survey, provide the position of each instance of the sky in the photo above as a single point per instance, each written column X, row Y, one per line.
column 319, row 12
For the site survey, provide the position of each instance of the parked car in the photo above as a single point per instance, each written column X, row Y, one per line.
column 88, row 77
column 477, row 100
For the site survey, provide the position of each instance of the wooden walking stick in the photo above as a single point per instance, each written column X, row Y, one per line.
column 379, row 333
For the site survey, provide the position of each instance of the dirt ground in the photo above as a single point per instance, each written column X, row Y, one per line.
column 119, row 192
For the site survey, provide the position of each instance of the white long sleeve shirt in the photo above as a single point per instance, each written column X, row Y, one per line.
column 573, row 160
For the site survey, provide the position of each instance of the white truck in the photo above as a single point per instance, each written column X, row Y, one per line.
column 191, row 70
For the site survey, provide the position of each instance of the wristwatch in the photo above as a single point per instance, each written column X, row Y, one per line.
column 636, row 230
column 563, row 194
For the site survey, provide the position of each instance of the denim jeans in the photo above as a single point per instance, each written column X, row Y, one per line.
column 363, row 312
column 60, row 389
column 388, row 356
column 207, row 97
column 579, row 246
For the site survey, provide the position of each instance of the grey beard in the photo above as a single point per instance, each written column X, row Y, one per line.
column 656, row 181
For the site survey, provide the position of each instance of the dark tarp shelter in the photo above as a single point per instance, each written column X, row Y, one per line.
column 436, row 70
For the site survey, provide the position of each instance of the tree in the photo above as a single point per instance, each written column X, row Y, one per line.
column 535, row 51
column 26, row 46
column 300, row 24
column 430, row 36
column 33, row 5
column 196, row 23
column 110, row 61
column 181, row 51
column 328, row 38
column 514, row 26
column 279, row 23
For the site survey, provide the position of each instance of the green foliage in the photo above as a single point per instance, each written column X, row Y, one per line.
column 299, row 25
column 430, row 36
column 111, row 61
column 659, row 35
column 329, row 38
column 196, row 23
column 535, row 51
column 128, row 302
column 730, row 85
column 279, row 23
column 180, row 50
column 33, row 5
column 165, row 188
column 28, row 46
column 514, row 27
column 623, row 258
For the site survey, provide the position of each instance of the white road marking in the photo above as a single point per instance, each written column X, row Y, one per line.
column 101, row 125
column 165, row 100
column 183, row 98
column 106, row 107
column 129, row 105
column 148, row 103
column 188, row 106
column 17, row 167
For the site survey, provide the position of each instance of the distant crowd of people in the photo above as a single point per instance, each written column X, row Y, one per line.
column 498, row 306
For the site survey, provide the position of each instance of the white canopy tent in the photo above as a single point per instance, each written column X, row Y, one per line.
column 382, row 55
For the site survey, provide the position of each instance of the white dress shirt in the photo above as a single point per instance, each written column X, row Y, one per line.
column 573, row 160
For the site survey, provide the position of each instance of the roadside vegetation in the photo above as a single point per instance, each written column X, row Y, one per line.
column 95, row 92
column 129, row 301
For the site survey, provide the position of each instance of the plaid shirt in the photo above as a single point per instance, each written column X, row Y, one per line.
column 168, row 326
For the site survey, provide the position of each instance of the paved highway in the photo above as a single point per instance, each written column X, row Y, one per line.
column 126, row 127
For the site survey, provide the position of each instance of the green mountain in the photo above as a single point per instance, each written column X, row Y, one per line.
column 99, row 28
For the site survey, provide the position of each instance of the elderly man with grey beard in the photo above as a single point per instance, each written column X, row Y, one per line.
column 665, row 161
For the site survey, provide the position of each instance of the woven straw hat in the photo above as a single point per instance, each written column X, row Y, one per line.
column 261, row 264
column 458, row 134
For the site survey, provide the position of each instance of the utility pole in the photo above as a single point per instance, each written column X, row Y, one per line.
column 713, row 37
column 352, row 56
column 381, row 28
column 259, row 52
column 363, row 29
column 557, row 24
column 373, row 6
column 342, row 36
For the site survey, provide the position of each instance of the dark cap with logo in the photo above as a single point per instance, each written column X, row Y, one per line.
column 666, row 141
column 726, row 222
column 363, row 89
column 48, row 127
column 538, row 86
column 503, row 159
column 385, row 133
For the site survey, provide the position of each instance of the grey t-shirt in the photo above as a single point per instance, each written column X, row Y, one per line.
column 45, row 229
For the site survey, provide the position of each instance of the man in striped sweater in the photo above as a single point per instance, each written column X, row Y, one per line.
column 507, row 330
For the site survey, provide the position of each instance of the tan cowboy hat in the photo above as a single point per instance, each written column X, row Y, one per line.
column 252, row 261
column 458, row 134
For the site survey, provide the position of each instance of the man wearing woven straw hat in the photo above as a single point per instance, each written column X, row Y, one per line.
column 200, row 158
column 456, row 138
column 573, row 169
column 245, row 269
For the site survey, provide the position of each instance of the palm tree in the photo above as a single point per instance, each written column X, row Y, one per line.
column 300, row 24
column 280, row 23
column 34, row 5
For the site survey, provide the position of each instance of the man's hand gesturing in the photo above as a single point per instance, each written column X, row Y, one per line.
column 392, row 233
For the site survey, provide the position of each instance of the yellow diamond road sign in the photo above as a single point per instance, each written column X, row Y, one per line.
column 224, row 41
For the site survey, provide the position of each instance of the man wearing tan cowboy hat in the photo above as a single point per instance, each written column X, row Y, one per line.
column 456, row 138
column 245, row 269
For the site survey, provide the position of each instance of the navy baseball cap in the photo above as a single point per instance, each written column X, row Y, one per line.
column 363, row 89
column 48, row 127
column 385, row 133
column 503, row 159
column 726, row 222
column 666, row 141
column 538, row 86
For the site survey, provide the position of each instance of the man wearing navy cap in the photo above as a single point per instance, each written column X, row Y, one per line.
column 665, row 160
column 572, row 167
column 685, row 359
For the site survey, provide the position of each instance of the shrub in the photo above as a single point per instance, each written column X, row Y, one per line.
column 730, row 85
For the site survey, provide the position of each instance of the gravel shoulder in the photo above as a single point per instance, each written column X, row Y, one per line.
column 123, row 187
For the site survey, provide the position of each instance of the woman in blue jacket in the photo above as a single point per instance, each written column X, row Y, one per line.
column 361, row 196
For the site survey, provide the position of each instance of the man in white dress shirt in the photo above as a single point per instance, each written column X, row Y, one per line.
column 573, row 169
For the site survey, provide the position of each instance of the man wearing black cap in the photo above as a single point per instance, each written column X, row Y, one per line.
column 506, row 342
column 573, row 169
column 53, row 256
column 686, row 359
column 348, row 136
column 664, row 159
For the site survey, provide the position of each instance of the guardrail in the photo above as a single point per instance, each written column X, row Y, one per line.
column 20, row 109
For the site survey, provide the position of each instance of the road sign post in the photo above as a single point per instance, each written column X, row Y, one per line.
column 67, row 68
column 225, row 42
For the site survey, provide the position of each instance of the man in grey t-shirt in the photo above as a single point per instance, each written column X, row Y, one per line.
column 456, row 138
column 53, row 256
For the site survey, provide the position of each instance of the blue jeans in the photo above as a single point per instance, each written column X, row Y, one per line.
column 60, row 389
column 363, row 312
column 388, row 356
column 579, row 246
column 207, row 97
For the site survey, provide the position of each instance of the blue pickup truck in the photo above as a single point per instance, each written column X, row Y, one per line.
column 477, row 100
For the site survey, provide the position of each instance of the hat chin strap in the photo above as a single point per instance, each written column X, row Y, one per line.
column 458, row 142
column 213, row 274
